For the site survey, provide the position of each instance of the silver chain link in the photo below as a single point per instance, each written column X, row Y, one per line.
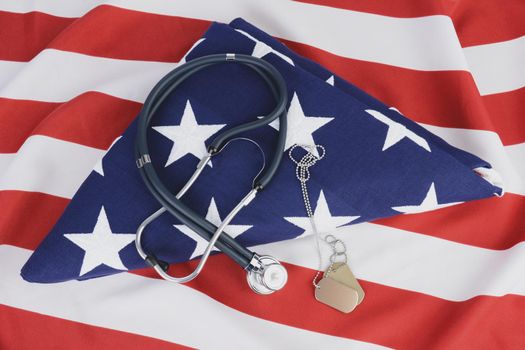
column 302, row 172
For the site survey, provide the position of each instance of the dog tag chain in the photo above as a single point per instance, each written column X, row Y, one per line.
column 338, row 288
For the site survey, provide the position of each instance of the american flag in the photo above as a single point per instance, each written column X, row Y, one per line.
column 450, row 278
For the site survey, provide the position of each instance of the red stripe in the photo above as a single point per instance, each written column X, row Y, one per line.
column 443, row 98
column 19, row 119
column 507, row 111
column 149, row 37
column 92, row 119
column 494, row 223
column 24, row 35
column 477, row 22
column 29, row 330
column 486, row 21
column 16, row 229
column 388, row 316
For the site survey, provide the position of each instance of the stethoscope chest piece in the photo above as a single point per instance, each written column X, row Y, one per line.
column 271, row 276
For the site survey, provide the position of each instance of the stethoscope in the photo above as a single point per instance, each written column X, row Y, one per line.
column 265, row 274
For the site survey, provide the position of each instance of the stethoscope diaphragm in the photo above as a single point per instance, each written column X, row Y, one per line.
column 271, row 276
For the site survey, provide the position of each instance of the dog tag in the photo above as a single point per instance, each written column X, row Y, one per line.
column 336, row 294
column 341, row 273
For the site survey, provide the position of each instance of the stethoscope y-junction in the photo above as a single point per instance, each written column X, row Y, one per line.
column 265, row 274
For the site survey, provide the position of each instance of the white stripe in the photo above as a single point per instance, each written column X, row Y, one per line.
column 62, row 8
column 507, row 160
column 155, row 308
column 59, row 76
column 8, row 70
column 425, row 43
column 415, row 262
column 5, row 160
column 516, row 155
column 48, row 165
column 498, row 67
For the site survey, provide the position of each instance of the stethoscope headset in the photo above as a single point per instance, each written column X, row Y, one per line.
column 265, row 274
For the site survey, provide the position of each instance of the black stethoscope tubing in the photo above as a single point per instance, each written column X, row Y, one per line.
column 176, row 207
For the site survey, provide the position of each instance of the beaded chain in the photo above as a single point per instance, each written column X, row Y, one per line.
column 302, row 172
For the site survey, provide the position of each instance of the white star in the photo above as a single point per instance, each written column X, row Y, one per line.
column 324, row 221
column 101, row 246
column 188, row 137
column 429, row 203
column 397, row 132
column 395, row 109
column 331, row 80
column 197, row 43
column 212, row 216
column 98, row 167
column 300, row 127
column 262, row 49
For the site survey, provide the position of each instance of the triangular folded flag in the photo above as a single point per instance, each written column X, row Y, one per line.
column 378, row 163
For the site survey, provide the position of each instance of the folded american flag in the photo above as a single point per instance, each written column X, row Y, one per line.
column 378, row 164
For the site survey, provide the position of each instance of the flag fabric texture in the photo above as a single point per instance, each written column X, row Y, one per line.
column 73, row 77
column 377, row 164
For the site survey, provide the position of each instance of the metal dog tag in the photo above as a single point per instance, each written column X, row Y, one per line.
column 341, row 273
column 336, row 294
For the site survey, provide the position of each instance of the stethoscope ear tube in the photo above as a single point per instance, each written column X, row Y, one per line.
column 172, row 203
column 278, row 87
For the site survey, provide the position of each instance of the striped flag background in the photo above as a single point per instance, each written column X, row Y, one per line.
column 73, row 74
